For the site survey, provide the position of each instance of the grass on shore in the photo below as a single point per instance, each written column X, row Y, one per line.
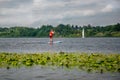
column 88, row 62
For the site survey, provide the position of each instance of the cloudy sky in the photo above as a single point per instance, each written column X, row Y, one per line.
column 34, row 13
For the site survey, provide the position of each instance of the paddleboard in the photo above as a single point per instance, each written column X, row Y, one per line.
column 56, row 42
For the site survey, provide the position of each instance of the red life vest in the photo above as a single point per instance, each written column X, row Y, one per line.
column 51, row 33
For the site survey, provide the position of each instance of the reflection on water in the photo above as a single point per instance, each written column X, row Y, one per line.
column 68, row 45
column 47, row 73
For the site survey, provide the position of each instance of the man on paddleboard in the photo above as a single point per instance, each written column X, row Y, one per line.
column 51, row 33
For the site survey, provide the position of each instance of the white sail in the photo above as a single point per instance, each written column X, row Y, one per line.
column 83, row 34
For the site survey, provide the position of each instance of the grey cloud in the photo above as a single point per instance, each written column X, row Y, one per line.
column 14, row 3
column 12, row 8
column 70, row 6
column 54, row 12
column 98, row 19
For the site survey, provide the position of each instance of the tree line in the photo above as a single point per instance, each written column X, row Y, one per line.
column 62, row 30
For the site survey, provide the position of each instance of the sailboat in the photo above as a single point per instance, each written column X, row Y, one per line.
column 83, row 33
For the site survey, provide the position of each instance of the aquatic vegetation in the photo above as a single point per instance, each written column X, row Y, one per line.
column 88, row 62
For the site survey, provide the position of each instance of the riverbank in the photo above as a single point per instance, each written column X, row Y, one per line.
column 94, row 62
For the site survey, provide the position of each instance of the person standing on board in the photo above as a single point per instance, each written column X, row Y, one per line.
column 51, row 33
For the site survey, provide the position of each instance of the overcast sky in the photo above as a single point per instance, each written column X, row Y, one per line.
column 34, row 13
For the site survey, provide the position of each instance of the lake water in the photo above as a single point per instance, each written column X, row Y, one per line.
column 47, row 73
column 106, row 45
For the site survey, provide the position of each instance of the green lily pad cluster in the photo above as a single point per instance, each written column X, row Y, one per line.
column 89, row 62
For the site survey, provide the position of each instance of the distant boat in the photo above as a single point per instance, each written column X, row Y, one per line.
column 83, row 33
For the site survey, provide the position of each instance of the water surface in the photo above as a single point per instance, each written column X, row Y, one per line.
column 47, row 73
column 106, row 45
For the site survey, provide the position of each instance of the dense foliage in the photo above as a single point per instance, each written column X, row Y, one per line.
column 90, row 62
column 62, row 31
